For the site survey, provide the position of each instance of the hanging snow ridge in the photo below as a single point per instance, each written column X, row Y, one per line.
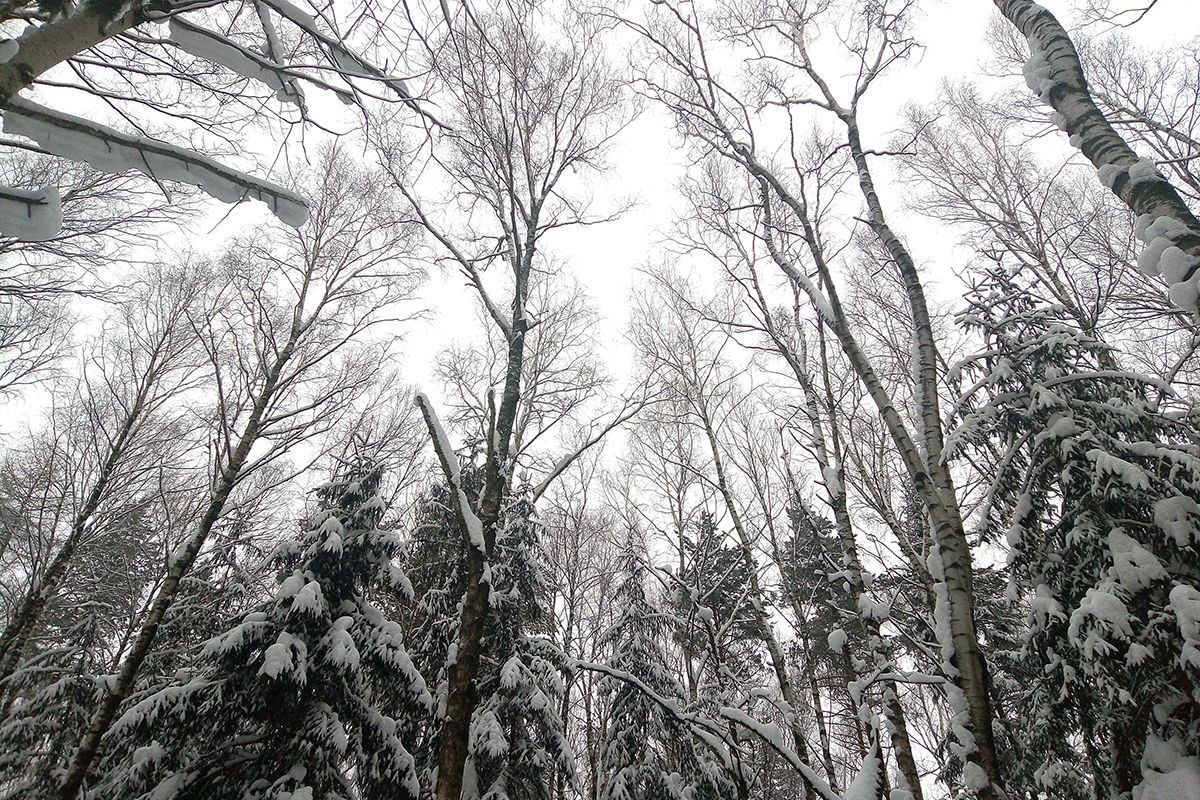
column 1134, row 566
column 1176, row 516
column 31, row 215
column 1128, row 473
column 214, row 48
column 865, row 785
column 1107, row 612
column 1037, row 72
column 1043, row 605
column 1162, row 256
column 341, row 651
column 109, row 150
column 280, row 657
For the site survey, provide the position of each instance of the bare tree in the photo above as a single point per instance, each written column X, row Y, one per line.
column 131, row 380
column 730, row 121
column 973, row 169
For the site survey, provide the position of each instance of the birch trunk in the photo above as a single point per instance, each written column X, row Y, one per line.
column 51, row 44
column 757, row 596
column 931, row 477
column 1055, row 73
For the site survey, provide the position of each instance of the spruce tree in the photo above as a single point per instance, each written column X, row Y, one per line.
column 1096, row 490
column 714, row 614
column 308, row 697
column 648, row 753
column 517, row 741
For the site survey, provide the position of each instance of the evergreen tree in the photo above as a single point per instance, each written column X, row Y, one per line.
column 518, row 739
column 715, row 616
column 435, row 561
column 812, row 573
column 648, row 753
column 48, row 698
column 1096, row 491
column 517, row 742
column 310, row 695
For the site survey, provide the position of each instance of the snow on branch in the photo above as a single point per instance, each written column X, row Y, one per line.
column 770, row 733
column 30, row 215
column 109, row 150
column 345, row 59
column 1165, row 223
column 215, row 48
column 449, row 462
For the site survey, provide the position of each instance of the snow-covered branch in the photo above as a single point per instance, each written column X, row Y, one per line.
column 449, row 461
column 109, row 150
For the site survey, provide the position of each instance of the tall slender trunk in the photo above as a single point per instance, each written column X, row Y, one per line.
column 24, row 621
column 757, row 598
column 15, row 638
column 827, row 449
column 930, row 475
column 462, row 694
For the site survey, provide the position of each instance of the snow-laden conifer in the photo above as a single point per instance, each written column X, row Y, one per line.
column 648, row 752
column 518, row 740
column 309, row 696
column 1096, row 491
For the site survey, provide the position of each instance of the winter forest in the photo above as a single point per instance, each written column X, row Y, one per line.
column 585, row 400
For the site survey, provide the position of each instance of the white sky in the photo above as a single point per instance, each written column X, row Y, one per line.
column 647, row 160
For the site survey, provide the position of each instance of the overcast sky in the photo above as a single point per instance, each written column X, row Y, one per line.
column 648, row 159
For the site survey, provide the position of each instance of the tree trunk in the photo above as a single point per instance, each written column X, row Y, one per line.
column 119, row 690
column 1056, row 74
column 24, row 620
column 931, row 477
column 757, row 597
column 462, row 695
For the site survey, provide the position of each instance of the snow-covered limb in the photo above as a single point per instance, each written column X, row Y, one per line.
column 44, row 46
column 449, row 461
column 109, row 150
column 771, row 734
column 213, row 47
column 273, row 50
column 31, row 215
column 346, row 60
column 669, row 705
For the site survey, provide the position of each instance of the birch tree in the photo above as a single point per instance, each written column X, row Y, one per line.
column 1165, row 223
column 712, row 110
column 132, row 381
